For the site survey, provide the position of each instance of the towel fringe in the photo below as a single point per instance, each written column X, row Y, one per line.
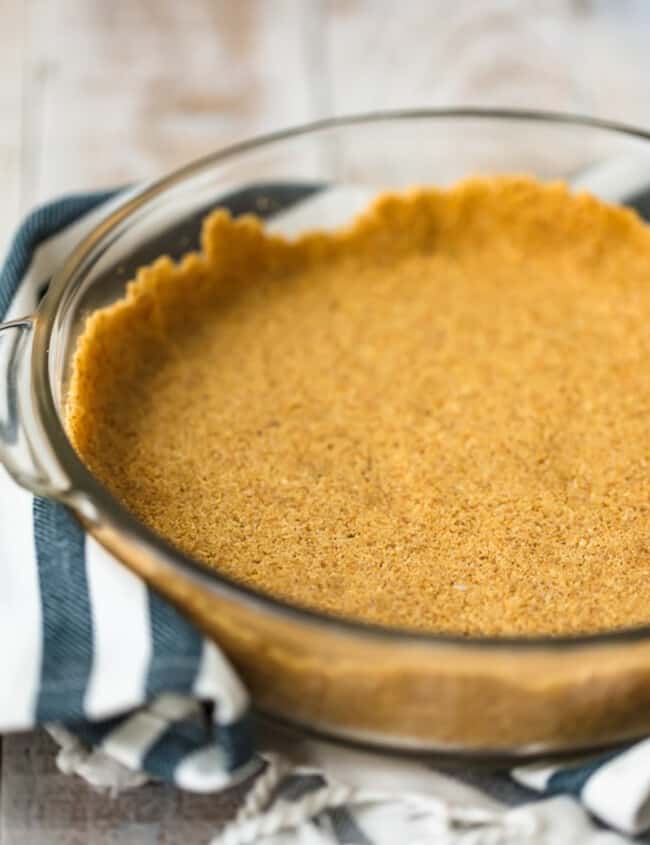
column 101, row 772
column 262, row 815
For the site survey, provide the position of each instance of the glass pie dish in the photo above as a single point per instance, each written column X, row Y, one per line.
column 382, row 687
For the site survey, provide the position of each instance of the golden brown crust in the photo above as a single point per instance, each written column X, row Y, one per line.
column 437, row 418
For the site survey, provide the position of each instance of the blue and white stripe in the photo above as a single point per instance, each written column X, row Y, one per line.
column 84, row 642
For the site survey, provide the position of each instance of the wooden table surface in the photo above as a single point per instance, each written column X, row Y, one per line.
column 104, row 92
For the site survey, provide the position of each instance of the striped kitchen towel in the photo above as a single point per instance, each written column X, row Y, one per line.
column 83, row 642
column 131, row 690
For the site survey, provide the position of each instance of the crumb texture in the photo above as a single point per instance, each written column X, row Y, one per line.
column 438, row 418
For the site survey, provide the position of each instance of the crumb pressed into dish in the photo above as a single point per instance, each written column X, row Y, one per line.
column 437, row 418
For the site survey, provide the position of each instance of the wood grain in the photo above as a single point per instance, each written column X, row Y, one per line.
column 11, row 115
column 39, row 805
column 129, row 89
column 566, row 55
column 99, row 93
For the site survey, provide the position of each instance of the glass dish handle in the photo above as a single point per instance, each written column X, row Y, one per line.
column 22, row 451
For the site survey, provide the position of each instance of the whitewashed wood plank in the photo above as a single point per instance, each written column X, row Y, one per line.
column 132, row 88
column 569, row 55
column 11, row 113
